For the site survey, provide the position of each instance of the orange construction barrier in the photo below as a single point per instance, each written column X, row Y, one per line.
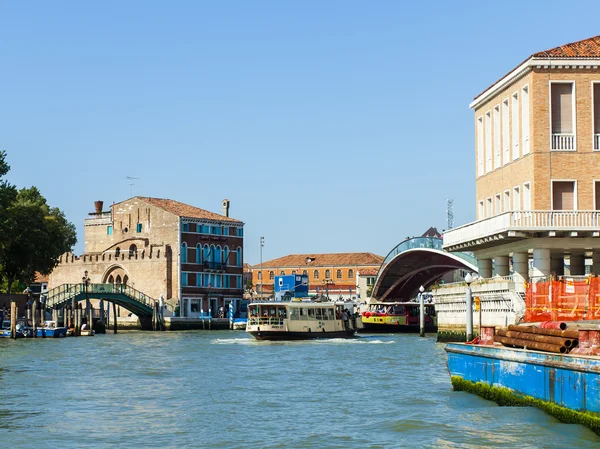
column 565, row 299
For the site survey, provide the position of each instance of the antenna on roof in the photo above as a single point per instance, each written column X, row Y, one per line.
column 449, row 213
column 131, row 184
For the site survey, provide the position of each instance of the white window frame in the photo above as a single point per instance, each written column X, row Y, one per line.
column 575, row 199
column 489, row 207
column 488, row 142
column 481, row 210
column 506, row 197
column 516, row 198
column 525, row 110
column 497, row 137
column 506, row 142
column 594, row 181
column 594, row 112
column 480, row 151
column 516, row 135
column 573, row 97
column 528, row 189
column 498, row 204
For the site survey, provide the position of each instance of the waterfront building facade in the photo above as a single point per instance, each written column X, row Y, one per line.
column 190, row 257
column 537, row 172
column 328, row 274
column 365, row 281
column 537, row 178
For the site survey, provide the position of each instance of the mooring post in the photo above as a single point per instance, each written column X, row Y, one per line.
column 34, row 317
column 13, row 318
column 115, row 316
column 421, row 312
column 91, row 317
column 102, row 311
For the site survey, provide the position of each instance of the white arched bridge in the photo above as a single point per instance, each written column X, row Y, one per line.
column 415, row 262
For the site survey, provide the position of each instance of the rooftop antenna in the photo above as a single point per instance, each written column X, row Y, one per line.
column 449, row 213
column 131, row 184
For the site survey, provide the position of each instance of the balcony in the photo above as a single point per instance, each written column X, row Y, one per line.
column 213, row 266
column 564, row 142
column 596, row 141
column 522, row 224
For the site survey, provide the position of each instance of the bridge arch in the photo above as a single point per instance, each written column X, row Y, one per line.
column 415, row 262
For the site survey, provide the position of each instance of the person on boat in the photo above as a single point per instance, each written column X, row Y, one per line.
column 345, row 318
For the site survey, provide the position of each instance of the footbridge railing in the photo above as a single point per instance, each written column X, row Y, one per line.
column 66, row 292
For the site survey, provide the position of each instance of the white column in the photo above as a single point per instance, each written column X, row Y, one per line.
column 557, row 264
column 596, row 263
column 521, row 265
column 485, row 268
column 541, row 263
column 577, row 264
column 501, row 265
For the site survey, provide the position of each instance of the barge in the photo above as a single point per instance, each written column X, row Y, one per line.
column 397, row 317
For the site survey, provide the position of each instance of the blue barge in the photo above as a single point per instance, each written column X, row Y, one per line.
column 567, row 386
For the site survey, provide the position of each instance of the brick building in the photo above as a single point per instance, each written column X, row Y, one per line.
column 189, row 256
column 537, row 166
column 335, row 273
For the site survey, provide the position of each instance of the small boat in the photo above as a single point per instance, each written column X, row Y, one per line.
column 50, row 330
column 86, row 331
column 5, row 330
column 298, row 320
column 397, row 317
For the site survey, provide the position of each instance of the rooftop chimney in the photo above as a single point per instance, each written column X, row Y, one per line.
column 98, row 206
column 226, row 207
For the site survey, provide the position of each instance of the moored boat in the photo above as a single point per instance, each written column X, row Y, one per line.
column 298, row 320
column 51, row 330
column 397, row 317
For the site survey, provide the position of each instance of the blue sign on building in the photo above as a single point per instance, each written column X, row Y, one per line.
column 291, row 286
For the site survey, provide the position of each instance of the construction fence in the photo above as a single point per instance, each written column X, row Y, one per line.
column 563, row 299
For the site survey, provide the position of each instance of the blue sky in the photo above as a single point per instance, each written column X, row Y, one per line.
column 331, row 126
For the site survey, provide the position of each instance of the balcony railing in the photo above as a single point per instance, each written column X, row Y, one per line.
column 563, row 142
column 525, row 220
column 596, row 141
column 217, row 266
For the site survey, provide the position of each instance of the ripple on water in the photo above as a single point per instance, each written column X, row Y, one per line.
column 223, row 389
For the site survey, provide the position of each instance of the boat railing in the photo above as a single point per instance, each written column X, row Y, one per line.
column 265, row 321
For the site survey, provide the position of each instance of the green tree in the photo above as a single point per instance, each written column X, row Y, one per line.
column 33, row 235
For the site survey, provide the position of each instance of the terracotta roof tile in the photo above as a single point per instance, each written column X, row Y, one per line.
column 586, row 48
column 323, row 260
column 39, row 278
column 368, row 272
column 185, row 210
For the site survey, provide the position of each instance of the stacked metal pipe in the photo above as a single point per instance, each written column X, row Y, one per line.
column 541, row 339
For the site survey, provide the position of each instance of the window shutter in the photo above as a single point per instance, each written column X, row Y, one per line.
column 562, row 108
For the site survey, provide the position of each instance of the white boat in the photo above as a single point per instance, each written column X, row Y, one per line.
column 298, row 320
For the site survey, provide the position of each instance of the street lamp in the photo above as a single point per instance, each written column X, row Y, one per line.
column 421, row 312
column 469, row 301
column 326, row 282
column 262, row 244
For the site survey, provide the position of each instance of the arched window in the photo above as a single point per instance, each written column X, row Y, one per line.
column 111, row 279
column 118, row 279
column 350, row 274
column 226, row 255
column 282, row 272
column 260, row 275
column 293, row 271
column 327, row 274
column 198, row 253
column 206, row 255
column 271, row 275
column 218, row 254
column 338, row 274
column 132, row 250
column 239, row 256
column 184, row 252
column 305, row 273
column 125, row 280
column 212, row 254
column 316, row 274
column 117, row 252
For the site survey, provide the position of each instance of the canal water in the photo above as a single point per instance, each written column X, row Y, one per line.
column 222, row 389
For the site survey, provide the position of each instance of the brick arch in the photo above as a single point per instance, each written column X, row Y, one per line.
column 115, row 271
